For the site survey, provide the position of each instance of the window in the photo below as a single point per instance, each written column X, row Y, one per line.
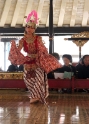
column 46, row 41
column 61, row 46
column 2, row 55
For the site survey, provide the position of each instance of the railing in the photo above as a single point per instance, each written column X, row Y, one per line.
column 67, row 83
column 15, row 80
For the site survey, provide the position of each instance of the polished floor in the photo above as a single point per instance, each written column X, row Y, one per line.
column 62, row 108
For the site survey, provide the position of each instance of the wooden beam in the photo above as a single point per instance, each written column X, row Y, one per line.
column 62, row 12
column 61, row 30
column 16, row 13
column 85, row 13
column 5, row 12
column 74, row 10
column 28, row 10
column 40, row 7
column 47, row 22
column 77, row 39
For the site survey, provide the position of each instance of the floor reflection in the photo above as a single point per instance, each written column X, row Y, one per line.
column 62, row 109
column 62, row 119
column 75, row 117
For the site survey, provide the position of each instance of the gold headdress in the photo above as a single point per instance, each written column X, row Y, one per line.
column 32, row 19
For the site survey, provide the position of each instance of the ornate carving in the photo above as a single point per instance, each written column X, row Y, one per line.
column 8, row 75
column 80, row 43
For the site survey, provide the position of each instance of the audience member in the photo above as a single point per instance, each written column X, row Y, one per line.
column 51, row 74
column 1, row 69
column 12, row 68
column 83, row 72
column 79, row 65
column 20, row 68
column 68, row 67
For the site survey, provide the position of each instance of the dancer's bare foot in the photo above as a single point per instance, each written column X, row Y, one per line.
column 34, row 100
column 47, row 96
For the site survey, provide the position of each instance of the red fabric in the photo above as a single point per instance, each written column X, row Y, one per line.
column 44, row 60
column 25, row 46
column 48, row 62
column 16, row 57
column 30, row 62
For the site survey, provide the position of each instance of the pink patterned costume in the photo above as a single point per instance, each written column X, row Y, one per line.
column 37, row 64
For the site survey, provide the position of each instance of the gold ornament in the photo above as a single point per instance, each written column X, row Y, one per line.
column 80, row 43
column 30, row 39
column 31, row 24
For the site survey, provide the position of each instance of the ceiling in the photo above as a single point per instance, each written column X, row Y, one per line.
column 66, row 13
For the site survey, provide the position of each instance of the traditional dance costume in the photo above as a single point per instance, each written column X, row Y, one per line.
column 37, row 64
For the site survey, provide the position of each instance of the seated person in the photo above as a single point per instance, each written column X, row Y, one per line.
column 83, row 72
column 51, row 74
column 1, row 69
column 67, row 67
column 79, row 65
column 12, row 68
column 21, row 68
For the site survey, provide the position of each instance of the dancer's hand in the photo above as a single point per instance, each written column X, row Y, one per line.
column 12, row 41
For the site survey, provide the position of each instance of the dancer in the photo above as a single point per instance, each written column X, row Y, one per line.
column 37, row 63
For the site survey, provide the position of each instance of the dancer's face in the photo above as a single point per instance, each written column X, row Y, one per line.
column 30, row 30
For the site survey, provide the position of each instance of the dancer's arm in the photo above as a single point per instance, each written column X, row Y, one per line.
column 20, row 45
column 41, row 46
